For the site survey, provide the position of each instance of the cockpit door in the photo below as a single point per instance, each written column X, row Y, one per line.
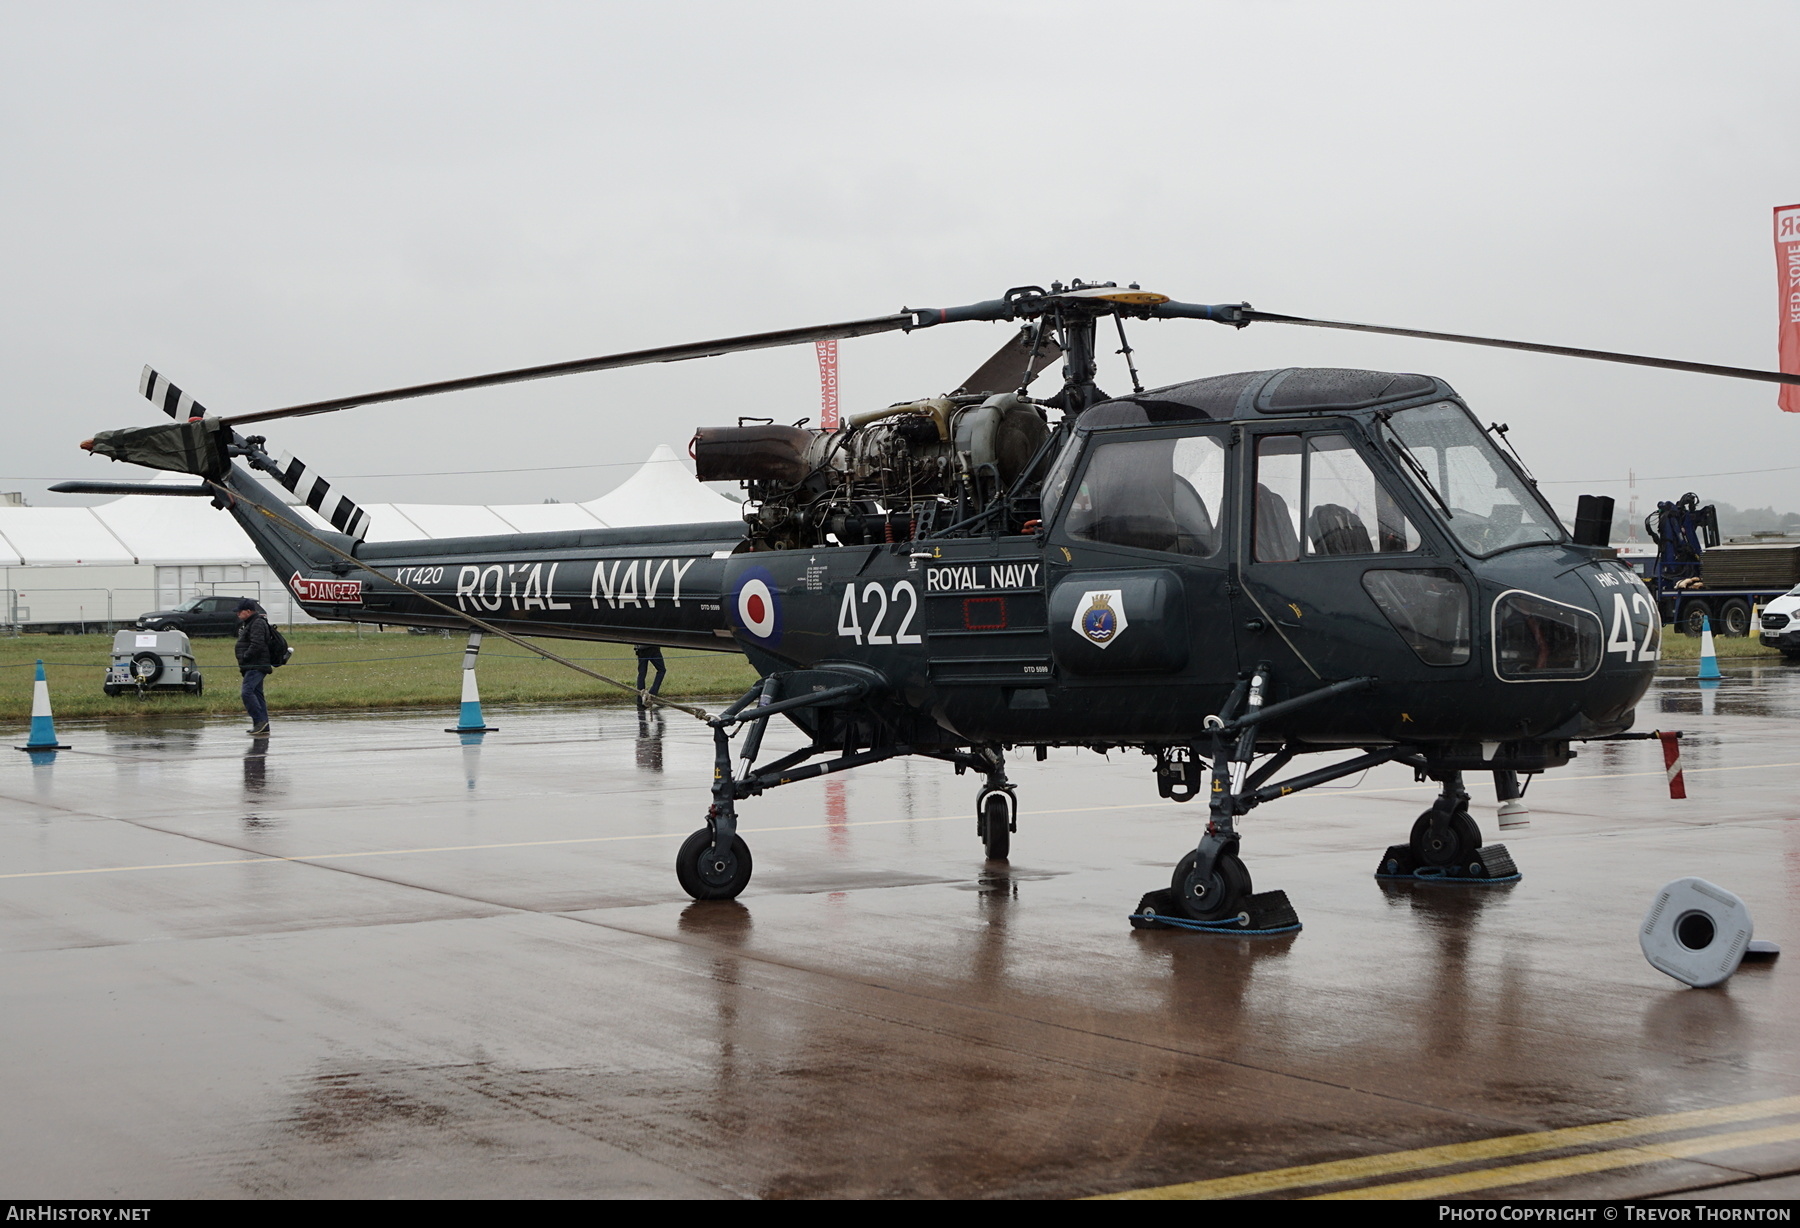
column 1139, row 612
column 1325, row 549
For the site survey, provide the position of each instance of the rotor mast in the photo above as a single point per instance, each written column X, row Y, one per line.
column 1073, row 313
column 1077, row 324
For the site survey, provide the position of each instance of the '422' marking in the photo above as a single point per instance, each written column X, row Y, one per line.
column 850, row 623
column 1623, row 638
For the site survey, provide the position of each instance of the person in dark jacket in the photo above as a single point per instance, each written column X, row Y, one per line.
column 650, row 657
column 254, row 663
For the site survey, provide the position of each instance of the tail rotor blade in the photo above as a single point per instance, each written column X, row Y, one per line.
column 311, row 489
column 314, row 491
column 167, row 397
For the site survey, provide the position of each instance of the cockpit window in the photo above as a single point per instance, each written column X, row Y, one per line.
column 1058, row 480
column 1152, row 494
column 1457, row 469
column 1316, row 496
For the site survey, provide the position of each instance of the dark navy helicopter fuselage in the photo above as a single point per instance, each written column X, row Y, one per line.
column 1226, row 573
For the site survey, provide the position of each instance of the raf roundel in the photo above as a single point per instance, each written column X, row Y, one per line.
column 758, row 611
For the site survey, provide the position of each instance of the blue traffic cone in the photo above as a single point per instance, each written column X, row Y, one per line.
column 1709, row 661
column 43, row 729
column 470, row 721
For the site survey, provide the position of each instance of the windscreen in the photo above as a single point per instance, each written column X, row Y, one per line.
column 1462, row 475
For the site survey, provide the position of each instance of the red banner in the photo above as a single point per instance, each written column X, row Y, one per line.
column 1787, row 264
column 828, row 405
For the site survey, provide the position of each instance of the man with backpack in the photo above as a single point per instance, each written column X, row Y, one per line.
column 260, row 649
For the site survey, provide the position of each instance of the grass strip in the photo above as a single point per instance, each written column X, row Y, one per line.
column 1678, row 647
column 337, row 670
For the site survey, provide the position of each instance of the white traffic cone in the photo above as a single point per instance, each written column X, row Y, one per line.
column 1709, row 660
column 470, row 721
column 43, row 729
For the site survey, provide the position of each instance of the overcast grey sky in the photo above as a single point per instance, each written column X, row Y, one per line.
column 276, row 203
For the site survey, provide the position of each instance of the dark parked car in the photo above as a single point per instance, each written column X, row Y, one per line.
column 201, row 616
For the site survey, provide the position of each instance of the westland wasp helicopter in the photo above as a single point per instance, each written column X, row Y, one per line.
column 1226, row 573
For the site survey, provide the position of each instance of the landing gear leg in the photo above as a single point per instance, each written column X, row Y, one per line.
column 996, row 809
column 1210, row 888
column 1445, row 837
column 1211, row 883
column 1445, row 843
column 714, row 862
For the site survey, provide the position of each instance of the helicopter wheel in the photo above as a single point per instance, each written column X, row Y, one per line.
column 1459, row 849
column 1220, row 897
column 709, row 874
column 995, row 821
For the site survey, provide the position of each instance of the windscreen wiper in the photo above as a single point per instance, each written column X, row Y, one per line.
column 1418, row 470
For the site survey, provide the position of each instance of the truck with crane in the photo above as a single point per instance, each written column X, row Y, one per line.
column 1697, row 579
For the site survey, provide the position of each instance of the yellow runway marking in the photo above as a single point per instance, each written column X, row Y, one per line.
column 1361, row 1168
column 1574, row 1166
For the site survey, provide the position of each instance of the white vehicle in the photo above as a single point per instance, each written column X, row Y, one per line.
column 1780, row 623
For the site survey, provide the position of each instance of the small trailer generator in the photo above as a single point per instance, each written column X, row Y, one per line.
column 152, row 661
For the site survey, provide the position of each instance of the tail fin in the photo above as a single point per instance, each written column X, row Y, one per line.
column 345, row 516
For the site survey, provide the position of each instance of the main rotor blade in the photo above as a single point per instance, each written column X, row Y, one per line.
column 606, row 362
column 1640, row 360
column 1013, row 365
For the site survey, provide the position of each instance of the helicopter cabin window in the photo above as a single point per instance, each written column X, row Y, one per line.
column 1460, row 472
column 1537, row 639
column 1429, row 607
column 1316, row 496
column 1151, row 494
column 1058, row 481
